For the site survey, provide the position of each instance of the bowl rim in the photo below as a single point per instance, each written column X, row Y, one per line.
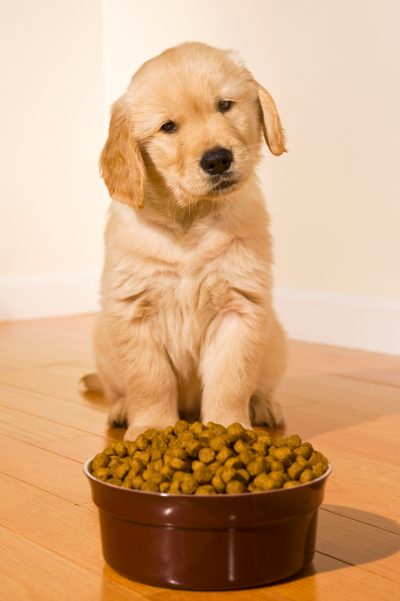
column 166, row 495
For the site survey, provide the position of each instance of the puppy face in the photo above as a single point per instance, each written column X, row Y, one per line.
column 190, row 122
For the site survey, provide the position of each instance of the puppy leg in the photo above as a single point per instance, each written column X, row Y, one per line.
column 264, row 410
column 228, row 366
column 151, row 390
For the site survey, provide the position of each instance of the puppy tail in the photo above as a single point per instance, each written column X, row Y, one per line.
column 91, row 383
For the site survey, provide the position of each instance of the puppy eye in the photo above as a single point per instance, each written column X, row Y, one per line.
column 169, row 127
column 224, row 105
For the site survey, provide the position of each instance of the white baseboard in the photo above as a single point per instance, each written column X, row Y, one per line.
column 371, row 323
column 352, row 320
column 53, row 295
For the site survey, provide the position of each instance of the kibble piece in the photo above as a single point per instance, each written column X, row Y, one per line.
column 143, row 456
column 282, row 454
column 235, row 487
column 214, row 467
column 319, row 469
column 101, row 460
column 295, row 470
column 263, row 482
column 234, row 462
column 121, row 471
column 150, row 486
column 157, row 465
column 219, row 442
column 179, row 464
column 224, row 454
column 180, row 426
column 142, row 443
column 235, row 432
column 202, row 474
column 240, row 445
column 137, row 482
column 205, row 489
column 302, row 461
column 156, row 478
column 102, row 473
column 260, row 447
column 217, row 429
column 179, row 453
column 218, row 484
column 276, row 466
column 291, row 484
column 206, row 455
column 280, row 442
column 131, row 447
column 193, row 448
column 205, row 437
column 317, row 457
column 169, row 432
column 306, row 476
column 197, row 428
column 179, row 476
column 294, row 442
column 188, row 485
column 127, row 483
column 175, row 487
column 147, row 474
column 265, row 438
column 304, row 450
column 156, row 452
column 250, row 436
column 246, row 456
column 119, row 448
column 115, row 481
column 227, row 474
column 136, row 465
column 114, row 461
column 150, row 434
column 257, row 466
column 242, row 475
column 278, row 478
column 164, row 487
column 167, row 472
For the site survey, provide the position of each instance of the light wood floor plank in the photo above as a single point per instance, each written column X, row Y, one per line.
column 85, row 417
column 345, row 401
column 44, row 470
column 28, row 572
column 32, row 429
column 57, row 525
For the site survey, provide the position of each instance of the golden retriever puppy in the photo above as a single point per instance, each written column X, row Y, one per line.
column 187, row 325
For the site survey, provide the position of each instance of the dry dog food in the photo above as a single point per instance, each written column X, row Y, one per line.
column 208, row 459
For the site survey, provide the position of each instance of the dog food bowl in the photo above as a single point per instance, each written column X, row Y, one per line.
column 208, row 542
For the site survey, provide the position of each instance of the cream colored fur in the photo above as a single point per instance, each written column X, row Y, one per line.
column 187, row 325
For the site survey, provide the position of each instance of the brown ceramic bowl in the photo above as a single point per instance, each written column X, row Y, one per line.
column 210, row 542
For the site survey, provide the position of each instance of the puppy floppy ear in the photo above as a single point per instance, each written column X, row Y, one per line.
column 121, row 163
column 273, row 131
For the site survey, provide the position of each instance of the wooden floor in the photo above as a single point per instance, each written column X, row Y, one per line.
column 345, row 402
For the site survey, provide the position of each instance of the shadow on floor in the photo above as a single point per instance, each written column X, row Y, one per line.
column 350, row 541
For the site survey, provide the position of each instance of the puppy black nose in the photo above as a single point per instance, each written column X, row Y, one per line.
column 216, row 161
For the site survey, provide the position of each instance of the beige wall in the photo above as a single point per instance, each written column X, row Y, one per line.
column 51, row 131
column 333, row 68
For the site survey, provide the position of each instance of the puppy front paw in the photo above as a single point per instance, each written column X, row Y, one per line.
column 264, row 412
column 117, row 418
